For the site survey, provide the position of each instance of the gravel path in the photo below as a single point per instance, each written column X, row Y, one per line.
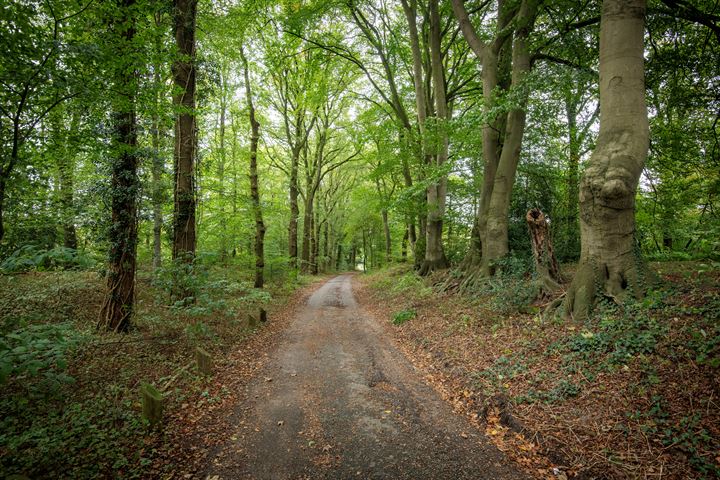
column 337, row 400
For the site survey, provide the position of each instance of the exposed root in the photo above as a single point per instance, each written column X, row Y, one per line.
column 430, row 266
column 593, row 281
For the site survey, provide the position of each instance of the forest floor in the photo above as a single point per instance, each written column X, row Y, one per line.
column 70, row 399
column 323, row 391
column 631, row 393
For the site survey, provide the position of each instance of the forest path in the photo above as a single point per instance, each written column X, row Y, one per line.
column 338, row 400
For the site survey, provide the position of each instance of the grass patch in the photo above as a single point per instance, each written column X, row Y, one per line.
column 403, row 316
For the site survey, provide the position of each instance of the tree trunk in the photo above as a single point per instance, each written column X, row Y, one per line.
column 546, row 265
column 314, row 241
column 326, row 247
column 608, row 257
column 184, row 236
column 307, row 232
column 158, row 195
column 404, row 245
column 254, row 191
column 221, row 166
column 572, row 229
column 294, row 210
column 436, row 192
column 66, row 170
column 495, row 243
column 502, row 135
column 158, row 190
column 388, row 241
column 117, row 307
column 420, row 242
column 365, row 251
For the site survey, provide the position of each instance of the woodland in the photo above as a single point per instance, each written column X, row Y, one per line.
column 527, row 189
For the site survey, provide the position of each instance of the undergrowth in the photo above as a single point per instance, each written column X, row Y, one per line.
column 70, row 405
column 644, row 373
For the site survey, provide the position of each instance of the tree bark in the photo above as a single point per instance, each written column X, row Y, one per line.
column 609, row 262
column 547, row 268
column 254, row 191
column 294, row 210
column 436, row 192
column 502, row 136
column 117, row 306
column 184, row 236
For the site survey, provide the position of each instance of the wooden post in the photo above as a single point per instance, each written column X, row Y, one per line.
column 204, row 361
column 152, row 403
column 263, row 315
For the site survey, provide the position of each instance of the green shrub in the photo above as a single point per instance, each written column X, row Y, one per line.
column 98, row 438
column 411, row 282
column 706, row 346
column 403, row 316
column 509, row 289
column 31, row 257
column 35, row 350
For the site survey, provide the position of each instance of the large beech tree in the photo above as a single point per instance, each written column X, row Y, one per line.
column 505, row 61
column 437, row 190
column 609, row 263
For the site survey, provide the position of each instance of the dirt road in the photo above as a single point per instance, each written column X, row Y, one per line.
column 338, row 401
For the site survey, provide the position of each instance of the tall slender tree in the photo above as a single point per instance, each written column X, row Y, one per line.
column 436, row 190
column 254, row 188
column 505, row 61
column 184, row 235
column 117, row 307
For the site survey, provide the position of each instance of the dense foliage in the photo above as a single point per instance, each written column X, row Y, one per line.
column 301, row 137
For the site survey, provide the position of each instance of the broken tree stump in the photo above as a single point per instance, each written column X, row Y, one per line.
column 546, row 264
column 252, row 321
column 204, row 361
column 152, row 404
column 263, row 315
